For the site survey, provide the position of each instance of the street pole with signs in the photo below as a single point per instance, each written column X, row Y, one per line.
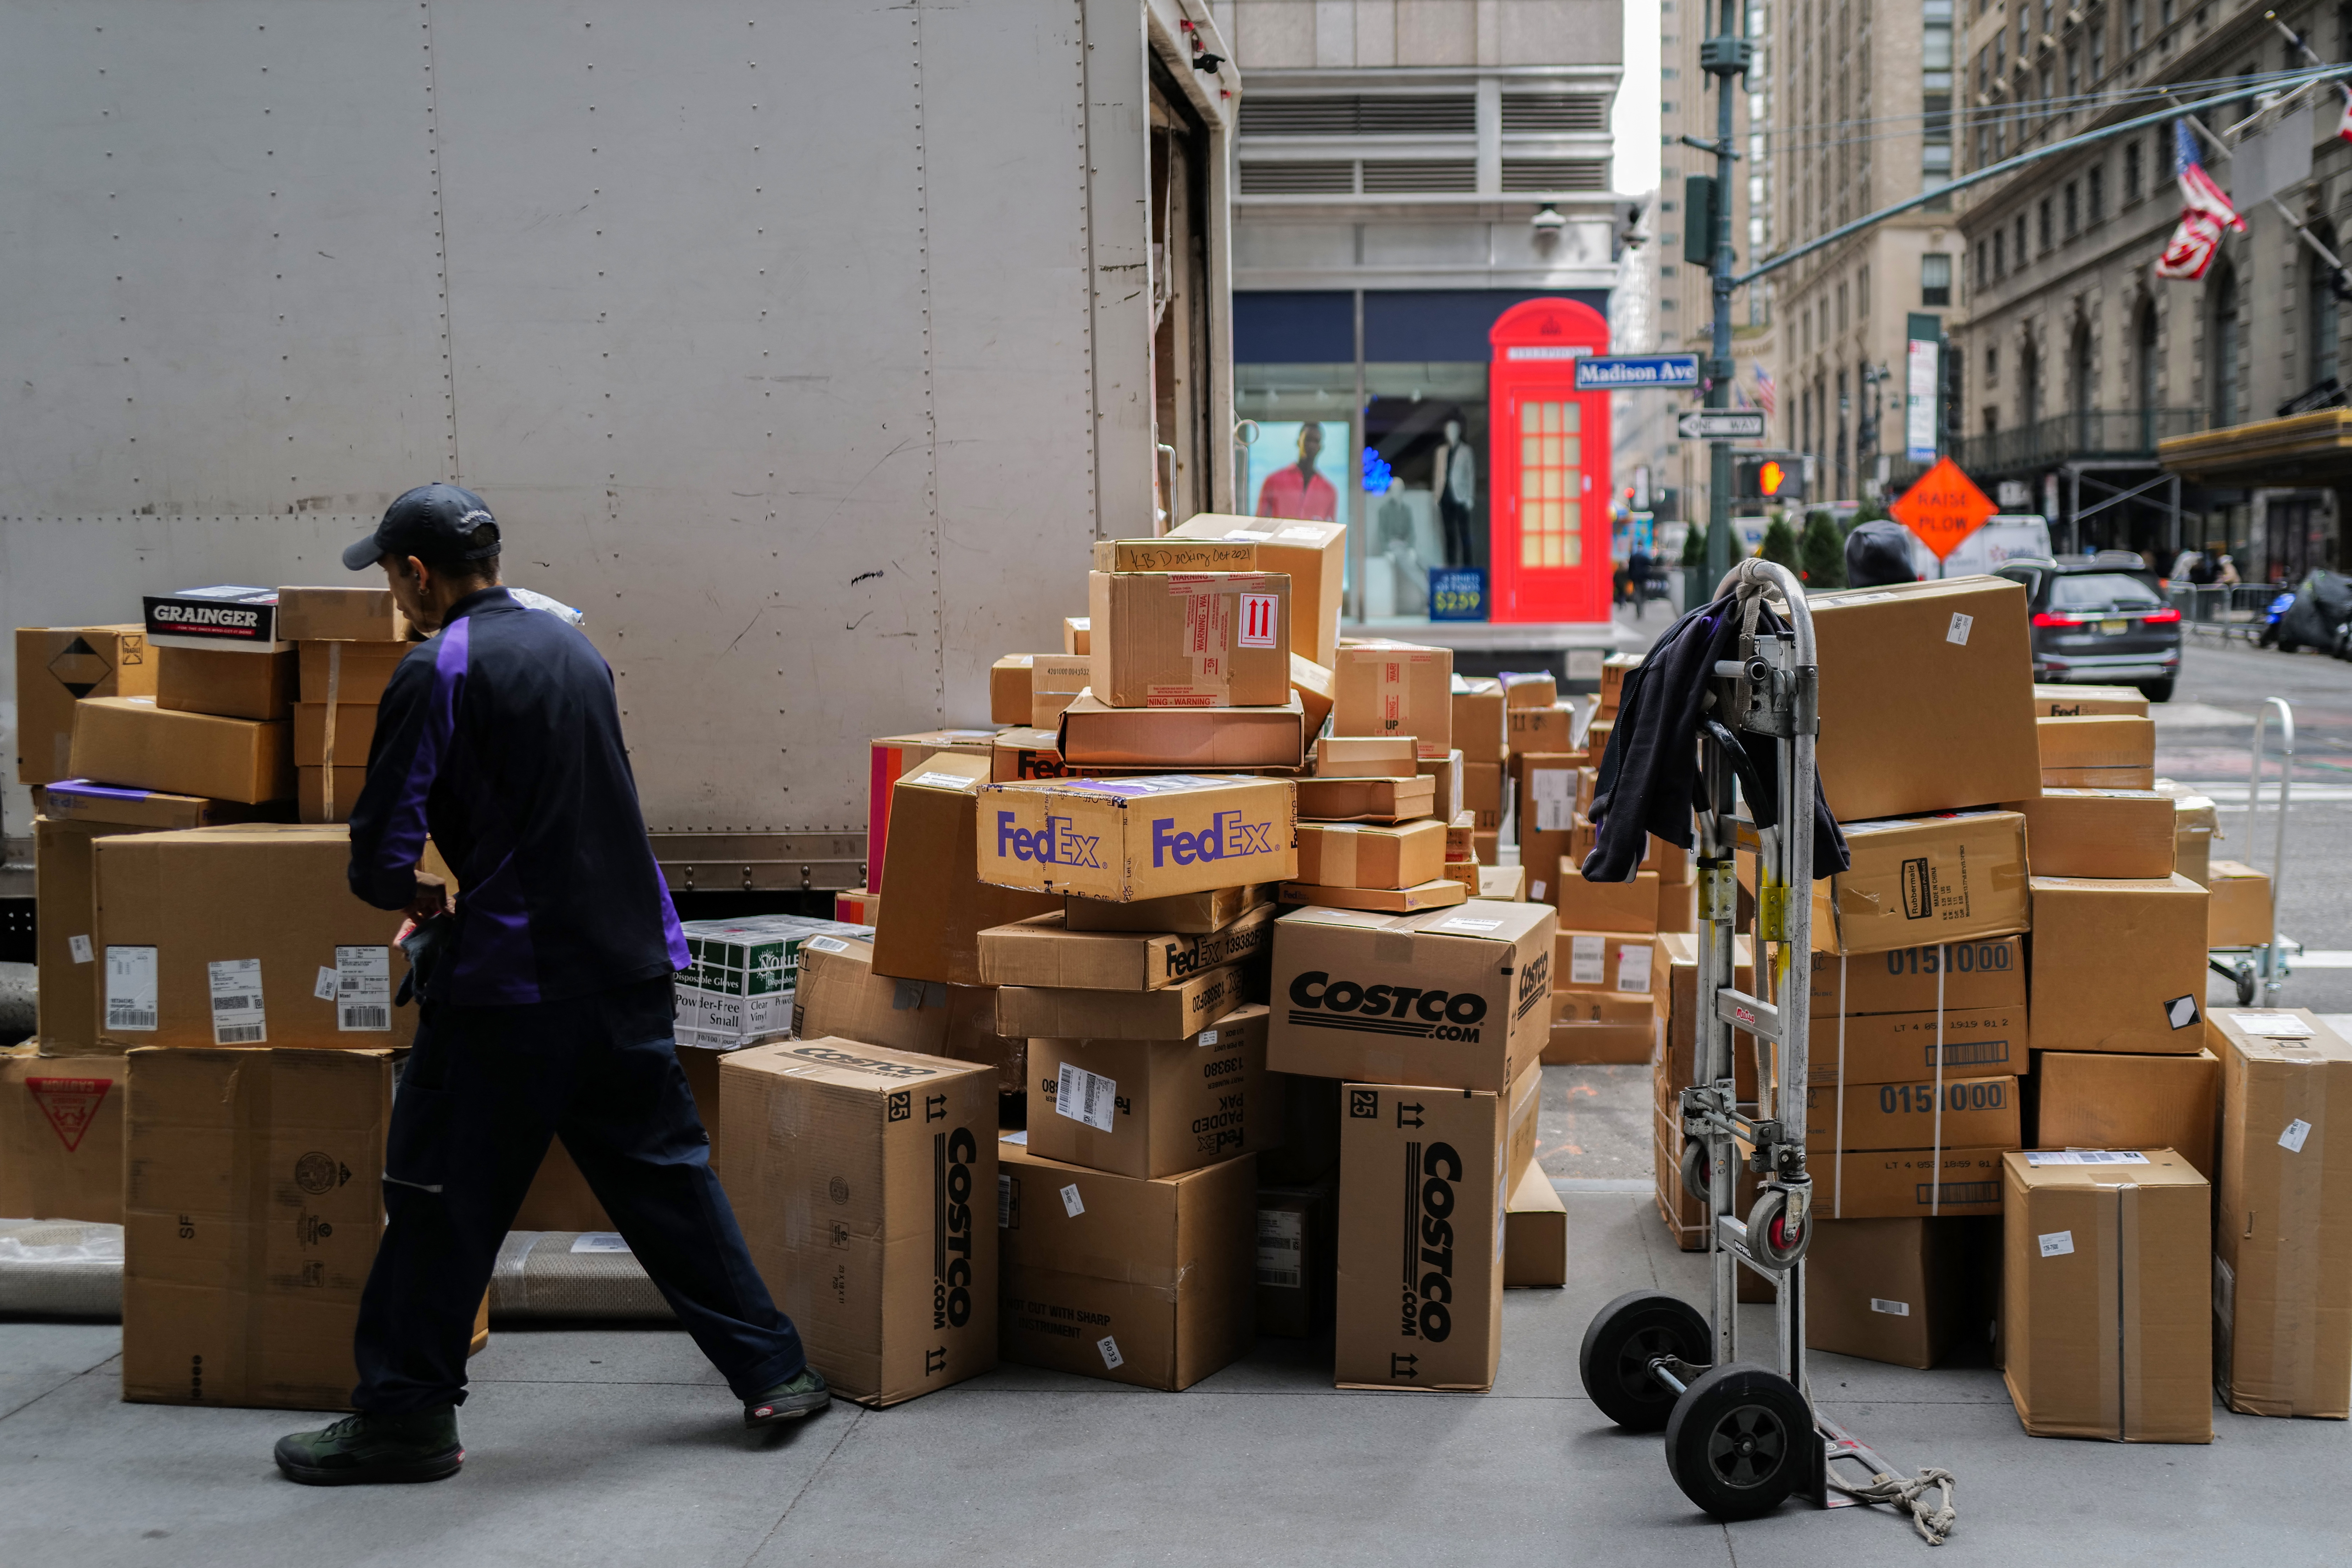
column 1725, row 56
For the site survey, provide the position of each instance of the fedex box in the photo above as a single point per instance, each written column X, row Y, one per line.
column 1124, row 840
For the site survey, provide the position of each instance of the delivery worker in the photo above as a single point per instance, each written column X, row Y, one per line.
column 545, row 1009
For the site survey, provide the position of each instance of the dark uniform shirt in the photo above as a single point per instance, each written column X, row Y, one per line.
column 501, row 737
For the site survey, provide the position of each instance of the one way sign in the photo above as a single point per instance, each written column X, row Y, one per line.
column 1721, row 425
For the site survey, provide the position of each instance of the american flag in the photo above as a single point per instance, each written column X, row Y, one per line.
column 1767, row 396
column 2205, row 213
column 2344, row 125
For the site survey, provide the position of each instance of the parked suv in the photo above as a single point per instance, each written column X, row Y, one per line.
column 2102, row 623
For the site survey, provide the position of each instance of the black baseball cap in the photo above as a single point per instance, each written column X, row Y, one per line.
column 432, row 522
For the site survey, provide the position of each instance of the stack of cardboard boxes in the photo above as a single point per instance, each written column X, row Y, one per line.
column 348, row 641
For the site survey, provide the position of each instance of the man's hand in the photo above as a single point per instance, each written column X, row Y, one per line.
column 432, row 898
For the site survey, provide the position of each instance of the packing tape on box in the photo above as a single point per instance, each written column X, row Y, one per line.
column 1335, row 857
column 334, row 692
column 1211, row 634
column 2119, row 1305
column 1837, row 1155
column 2296, row 1303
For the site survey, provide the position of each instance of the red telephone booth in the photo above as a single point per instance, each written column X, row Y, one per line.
column 1549, row 458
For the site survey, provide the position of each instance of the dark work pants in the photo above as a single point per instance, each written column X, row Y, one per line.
column 1457, row 519
column 484, row 1091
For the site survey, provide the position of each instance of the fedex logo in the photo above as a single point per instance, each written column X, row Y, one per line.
column 1054, row 845
column 1227, row 837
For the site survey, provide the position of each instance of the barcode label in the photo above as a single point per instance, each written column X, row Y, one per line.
column 1112, row 1359
column 1281, row 1243
column 1587, row 957
column 1073, row 1204
column 237, row 1018
column 131, row 988
column 79, row 947
column 1892, row 1309
column 362, row 990
column 1004, row 1201
column 1633, row 966
column 2085, row 1157
column 1086, row 1096
column 364, row 1018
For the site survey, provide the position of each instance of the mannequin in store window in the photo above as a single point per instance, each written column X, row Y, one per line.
column 1457, row 488
column 1296, row 490
column 1394, row 542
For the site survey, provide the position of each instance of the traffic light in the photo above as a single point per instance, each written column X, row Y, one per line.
column 1768, row 476
column 1698, row 220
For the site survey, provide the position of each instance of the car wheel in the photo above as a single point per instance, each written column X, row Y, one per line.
column 2156, row 690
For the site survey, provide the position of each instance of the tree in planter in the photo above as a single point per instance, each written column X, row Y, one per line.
column 1695, row 545
column 1780, row 543
column 1822, row 552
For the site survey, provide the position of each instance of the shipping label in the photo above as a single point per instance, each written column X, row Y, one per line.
column 131, row 988
column 1587, row 960
column 237, row 1017
column 1281, row 1249
column 362, row 990
column 1086, row 1096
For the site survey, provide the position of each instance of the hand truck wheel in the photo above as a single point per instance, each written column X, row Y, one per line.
column 1619, row 1344
column 1697, row 1173
column 1739, row 1441
column 2245, row 976
column 1769, row 1235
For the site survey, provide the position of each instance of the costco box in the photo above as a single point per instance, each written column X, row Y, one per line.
column 339, row 614
column 1193, row 640
column 1479, row 723
column 1367, row 800
column 1043, row 950
column 331, row 735
column 2106, row 750
column 1312, row 555
column 1905, row 1183
column 892, row 758
column 1396, row 688
column 230, row 682
column 2118, row 965
column 129, row 740
column 1144, row 1282
column 1981, row 1113
column 327, row 794
column 2098, row 833
column 2282, row 1264
column 1459, row 997
column 861, row 1176
column 1903, row 1292
column 1297, row 1256
column 1360, row 854
column 1124, row 840
column 1926, row 696
column 1628, row 906
column 65, row 866
column 57, row 665
column 2063, row 701
column 237, row 936
column 61, row 1135
column 253, row 1200
column 1422, row 1189
column 2240, row 912
column 1184, row 914
column 1183, row 1007
column 1093, row 734
column 934, row 906
column 80, row 800
column 2106, row 1298
column 1156, row 1108
column 2102, row 1100
column 1600, row 1026
column 1535, row 1232
column 1932, row 879
column 349, row 671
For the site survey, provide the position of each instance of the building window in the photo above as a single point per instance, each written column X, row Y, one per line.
column 2074, row 223
column 1983, row 277
column 2098, row 47
column 1992, row 364
column 2320, row 316
column 2041, row 222
column 2132, row 25
column 1841, row 307
column 2227, row 393
column 1999, row 257
column 2022, row 252
column 2000, row 56
column 2074, row 73
column 1862, row 295
column 2131, row 172
column 1935, row 92
column 2095, row 189
column 1936, row 278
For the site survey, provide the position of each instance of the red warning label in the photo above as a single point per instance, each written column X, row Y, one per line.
column 70, row 1104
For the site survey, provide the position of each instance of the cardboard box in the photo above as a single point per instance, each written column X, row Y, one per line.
column 230, row 682
column 1905, row 1184
column 1614, row 668
column 2282, row 1264
column 1043, row 950
column 327, row 794
column 1548, row 813
column 227, row 616
column 1192, row 639
column 349, row 671
column 739, row 984
column 1095, row 735
column 80, row 800
column 857, row 906
column 2196, row 823
column 61, row 1135
column 1490, row 847
column 1977, row 1113
column 893, row 757
column 1535, row 1234
column 339, row 614
column 1009, row 688
column 1183, row 914
column 2239, row 914
column 862, row 1177
column 1026, row 753
column 253, row 1200
column 933, row 905
column 836, row 994
column 1679, row 906
column 2063, row 701
column 1144, row 1282
column 2106, row 750
column 1442, row 1151
column 1482, row 793
column 1439, row 892
column 1547, row 728
column 1077, row 634
column 1367, row 800
column 1313, row 554
column 1297, row 1256
column 2100, row 1100
column 130, row 741
column 345, row 746
column 1445, row 774
column 65, row 952
column 1156, row 1108
column 1396, row 688
column 1478, row 723
column 1460, row 838
column 1356, row 855
column 1674, row 993
column 1466, row 872
column 1602, row 961
column 1903, row 1292
column 1504, row 884
column 223, row 936
column 2098, row 833
column 1530, row 688
column 1367, row 757
column 1183, row 1009
column 2118, row 964
column 1628, row 906
column 1875, row 1016
column 1596, row 739
column 1131, row 838
column 1930, row 879
column 1926, row 696
column 1457, row 998
column 2106, row 1303
column 1314, row 689
column 1600, row 1026
column 55, row 667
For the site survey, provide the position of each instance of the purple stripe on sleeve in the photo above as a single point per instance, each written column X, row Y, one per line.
column 404, row 836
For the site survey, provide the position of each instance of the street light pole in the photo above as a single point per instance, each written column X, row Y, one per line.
column 1725, row 56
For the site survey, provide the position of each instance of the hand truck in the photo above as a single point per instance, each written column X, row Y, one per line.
column 2265, row 965
column 1741, row 1437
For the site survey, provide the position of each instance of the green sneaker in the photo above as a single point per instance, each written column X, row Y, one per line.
column 359, row 1451
column 789, row 1401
